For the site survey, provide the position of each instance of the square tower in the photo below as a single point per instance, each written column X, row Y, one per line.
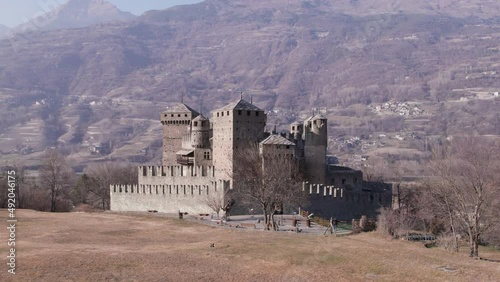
column 176, row 121
column 234, row 126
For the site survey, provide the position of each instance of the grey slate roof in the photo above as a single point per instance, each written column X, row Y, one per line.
column 200, row 118
column 240, row 105
column 277, row 140
column 181, row 108
column 296, row 123
column 318, row 116
column 308, row 119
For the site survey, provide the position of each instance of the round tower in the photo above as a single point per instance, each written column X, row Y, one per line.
column 296, row 130
column 319, row 130
column 316, row 141
column 200, row 134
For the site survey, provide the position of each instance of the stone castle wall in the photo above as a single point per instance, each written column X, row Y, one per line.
column 342, row 204
column 169, row 189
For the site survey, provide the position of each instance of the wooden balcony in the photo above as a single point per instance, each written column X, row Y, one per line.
column 185, row 160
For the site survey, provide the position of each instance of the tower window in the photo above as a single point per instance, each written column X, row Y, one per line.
column 239, row 112
column 256, row 114
column 227, row 113
column 222, row 113
column 179, row 115
column 293, row 127
column 172, row 115
column 195, row 123
column 248, row 113
column 217, row 114
column 186, row 115
column 206, row 155
column 343, row 181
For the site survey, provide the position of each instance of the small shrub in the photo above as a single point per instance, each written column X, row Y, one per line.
column 447, row 242
column 386, row 223
column 366, row 224
column 64, row 205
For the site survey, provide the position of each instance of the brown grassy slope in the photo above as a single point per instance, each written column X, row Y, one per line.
column 117, row 247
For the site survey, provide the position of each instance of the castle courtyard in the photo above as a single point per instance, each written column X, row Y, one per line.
column 152, row 247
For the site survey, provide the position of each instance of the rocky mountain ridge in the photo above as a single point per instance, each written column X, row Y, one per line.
column 76, row 14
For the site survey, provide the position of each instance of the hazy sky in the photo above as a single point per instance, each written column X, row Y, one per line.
column 14, row 12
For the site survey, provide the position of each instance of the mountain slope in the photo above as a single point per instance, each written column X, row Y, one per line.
column 76, row 14
column 290, row 57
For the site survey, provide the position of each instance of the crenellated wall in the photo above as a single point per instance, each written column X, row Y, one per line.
column 343, row 204
column 169, row 189
column 146, row 172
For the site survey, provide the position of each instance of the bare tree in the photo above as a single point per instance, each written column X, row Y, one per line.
column 273, row 181
column 218, row 202
column 438, row 204
column 101, row 176
column 466, row 181
column 55, row 177
column 406, row 217
column 405, row 214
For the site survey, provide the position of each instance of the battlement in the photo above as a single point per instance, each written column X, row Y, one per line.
column 176, row 171
column 123, row 188
column 344, row 204
column 168, row 195
column 323, row 190
column 212, row 187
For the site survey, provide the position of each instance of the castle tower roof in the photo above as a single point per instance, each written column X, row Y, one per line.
column 181, row 108
column 200, row 118
column 297, row 123
column 318, row 116
column 277, row 140
column 240, row 105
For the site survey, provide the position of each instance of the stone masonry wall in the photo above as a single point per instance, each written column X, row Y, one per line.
column 328, row 201
column 169, row 190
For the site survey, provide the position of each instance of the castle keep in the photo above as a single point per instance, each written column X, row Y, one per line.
column 198, row 162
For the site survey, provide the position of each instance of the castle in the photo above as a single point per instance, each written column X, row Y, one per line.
column 198, row 162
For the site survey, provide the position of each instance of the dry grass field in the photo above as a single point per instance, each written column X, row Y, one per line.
column 141, row 247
